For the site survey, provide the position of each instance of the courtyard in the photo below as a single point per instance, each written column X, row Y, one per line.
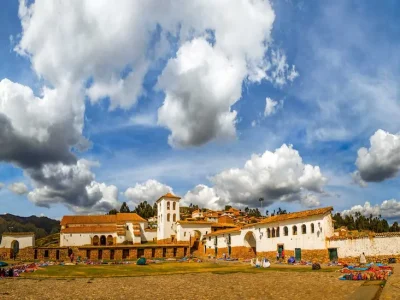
column 178, row 281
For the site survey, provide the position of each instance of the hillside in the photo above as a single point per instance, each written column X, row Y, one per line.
column 41, row 226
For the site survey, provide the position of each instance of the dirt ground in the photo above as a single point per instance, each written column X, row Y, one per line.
column 270, row 285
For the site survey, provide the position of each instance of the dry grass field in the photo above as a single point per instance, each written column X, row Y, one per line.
column 177, row 281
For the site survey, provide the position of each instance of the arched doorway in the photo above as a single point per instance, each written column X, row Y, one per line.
column 109, row 240
column 197, row 235
column 103, row 240
column 96, row 240
column 195, row 240
column 250, row 241
column 14, row 248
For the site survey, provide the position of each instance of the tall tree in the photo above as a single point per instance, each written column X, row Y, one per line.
column 145, row 210
column 124, row 208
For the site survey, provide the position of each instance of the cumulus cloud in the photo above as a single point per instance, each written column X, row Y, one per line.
column 203, row 196
column 148, row 191
column 103, row 59
column 270, row 106
column 388, row 209
column 201, row 82
column 18, row 188
column 357, row 179
column 72, row 185
column 382, row 160
column 310, row 200
column 274, row 176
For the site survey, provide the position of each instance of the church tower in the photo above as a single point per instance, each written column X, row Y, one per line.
column 167, row 216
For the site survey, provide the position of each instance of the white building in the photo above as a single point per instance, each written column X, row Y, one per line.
column 167, row 215
column 103, row 230
column 301, row 234
column 17, row 240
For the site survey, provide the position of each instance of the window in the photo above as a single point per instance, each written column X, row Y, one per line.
column 184, row 234
column 216, row 241
column 277, row 231
column 268, row 233
column 273, row 232
column 285, row 231
column 295, row 230
column 312, row 227
column 168, row 217
column 209, row 238
column 303, row 229
column 174, row 205
column 174, row 217
column 46, row 253
column 168, row 207
column 206, row 232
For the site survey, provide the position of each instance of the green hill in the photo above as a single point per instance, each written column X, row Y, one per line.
column 41, row 226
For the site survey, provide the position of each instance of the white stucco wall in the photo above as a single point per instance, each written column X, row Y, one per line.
column 167, row 228
column 371, row 247
column 149, row 236
column 322, row 228
column 80, row 239
column 23, row 240
column 184, row 231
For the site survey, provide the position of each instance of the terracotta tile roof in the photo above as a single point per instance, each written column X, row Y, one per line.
column 215, row 225
column 102, row 219
column 168, row 195
column 295, row 215
column 17, row 233
column 219, row 232
column 195, row 222
column 90, row 229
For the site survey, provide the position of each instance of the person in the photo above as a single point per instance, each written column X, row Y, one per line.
column 277, row 255
column 363, row 260
column 283, row 254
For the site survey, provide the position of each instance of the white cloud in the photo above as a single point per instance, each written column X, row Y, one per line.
column 310, row 200
column 148, row 191
column 388, row 209
column 204, row 197
column 382, row 160
column 215, row 55
column 274, row 176
column 18, row 188
column 357, row 179
column 145, row 120
column 270, row 106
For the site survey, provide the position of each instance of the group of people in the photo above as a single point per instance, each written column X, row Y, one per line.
column 7, row 272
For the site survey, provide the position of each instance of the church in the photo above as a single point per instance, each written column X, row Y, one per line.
column 307, row 235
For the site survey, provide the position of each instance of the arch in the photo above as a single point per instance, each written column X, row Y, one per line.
column 174, row 217
column 273, row 232
column 103, row 240
column 197, row 235
column 173, row 205
column 277, row 231
column 110, row 240
column 303, row 229
column 294, row 228
column 96, row 240
column 268, row 233
column 168, row 205
column 168, row 217
column 250, row 241
column 15, row 248
column 312, row 228
column 285, row 231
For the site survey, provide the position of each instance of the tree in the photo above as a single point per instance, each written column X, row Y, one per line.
column 113, row 212
column 124, row 208
column 144, row 210
column 227, row 207
column 246, row 210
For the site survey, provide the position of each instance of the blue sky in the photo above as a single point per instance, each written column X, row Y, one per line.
column 344, row 54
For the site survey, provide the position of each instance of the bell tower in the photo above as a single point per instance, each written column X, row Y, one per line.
column 167, row 216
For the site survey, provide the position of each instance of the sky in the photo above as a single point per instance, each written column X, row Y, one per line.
column 220, row 102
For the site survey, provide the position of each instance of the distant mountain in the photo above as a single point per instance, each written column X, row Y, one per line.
column 41, row 226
